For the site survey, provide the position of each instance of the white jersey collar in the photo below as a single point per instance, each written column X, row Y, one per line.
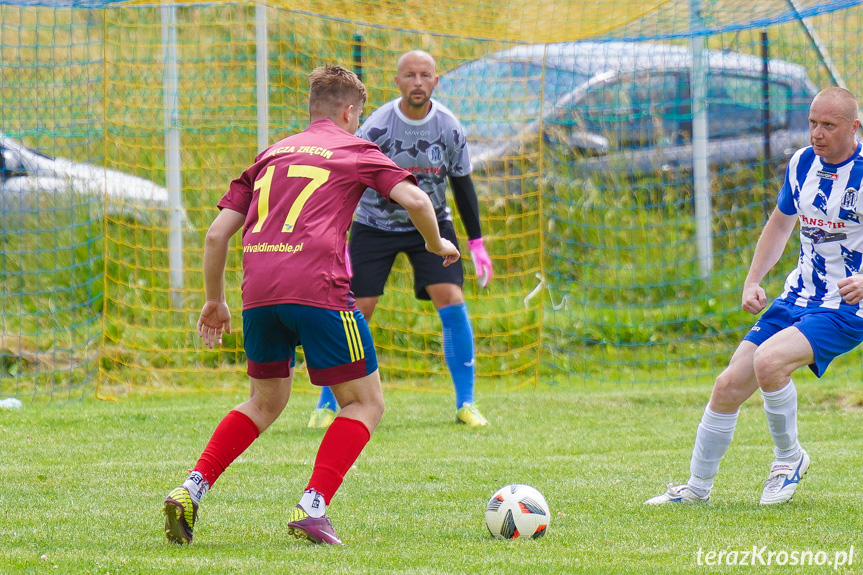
column 398, row 108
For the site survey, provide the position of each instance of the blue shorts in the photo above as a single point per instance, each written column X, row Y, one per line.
column 337, row 344
column 831, row 332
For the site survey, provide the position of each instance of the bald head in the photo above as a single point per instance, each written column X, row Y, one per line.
column 833, row 125
column 415, row 57
column 840, row 101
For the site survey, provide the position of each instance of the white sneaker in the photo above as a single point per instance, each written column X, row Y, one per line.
column 677, row 494
column 784, row 479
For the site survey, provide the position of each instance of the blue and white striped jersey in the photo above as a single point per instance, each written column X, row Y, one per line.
column 826, row 198
column 432, row 149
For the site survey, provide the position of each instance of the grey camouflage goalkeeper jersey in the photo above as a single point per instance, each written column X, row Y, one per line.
column 432, row 149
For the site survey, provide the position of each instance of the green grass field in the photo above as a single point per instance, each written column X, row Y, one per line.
column 83, row 483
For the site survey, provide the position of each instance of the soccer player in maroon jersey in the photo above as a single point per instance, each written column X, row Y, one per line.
column 294, row 205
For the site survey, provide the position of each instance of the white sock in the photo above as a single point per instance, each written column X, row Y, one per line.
column 313, row 503
column 197, row 486
column 712, row 439
column 781, row 409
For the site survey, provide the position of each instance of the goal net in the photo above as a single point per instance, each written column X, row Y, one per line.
column 626, row 156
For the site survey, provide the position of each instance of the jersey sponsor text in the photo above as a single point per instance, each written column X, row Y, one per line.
column 821, row 222
column 311, row 150
column 268, row 247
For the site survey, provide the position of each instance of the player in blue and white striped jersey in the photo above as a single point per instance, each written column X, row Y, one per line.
column 816, row 318
column 823, row 196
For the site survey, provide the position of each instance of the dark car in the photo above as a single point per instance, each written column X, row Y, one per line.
column 620, row 105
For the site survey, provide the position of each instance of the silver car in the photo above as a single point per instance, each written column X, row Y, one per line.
column 27, row 176
column 622, row 106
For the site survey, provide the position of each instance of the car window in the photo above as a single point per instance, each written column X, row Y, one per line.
column 636, row 111
column 494, row 99
column 653, row 109
column 660, row 107
column 560, row 83
column 491, row 97
column 12, row 164
column 736, row 105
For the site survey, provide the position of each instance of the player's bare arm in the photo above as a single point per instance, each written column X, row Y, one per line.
column 769, row 249
column 422, row 214
column 215, row 315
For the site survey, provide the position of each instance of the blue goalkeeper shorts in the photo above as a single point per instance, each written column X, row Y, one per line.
column 337, row 345
column 831, row 332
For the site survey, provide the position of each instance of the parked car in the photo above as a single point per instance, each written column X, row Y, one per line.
column 26, row 175
column 620, row 105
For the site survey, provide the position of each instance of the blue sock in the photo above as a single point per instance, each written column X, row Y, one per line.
column 327, row 399
column 458, row 351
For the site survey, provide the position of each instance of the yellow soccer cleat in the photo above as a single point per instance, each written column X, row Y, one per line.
column 322, row 418
column 180, row 516
column 470, row 415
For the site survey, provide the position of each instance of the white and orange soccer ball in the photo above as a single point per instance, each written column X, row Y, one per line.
column 517, row 512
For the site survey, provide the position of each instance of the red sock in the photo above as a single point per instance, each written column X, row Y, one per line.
column 233, row 435
column 342, row 444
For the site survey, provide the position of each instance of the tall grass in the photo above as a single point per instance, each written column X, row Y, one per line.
column 616, row 256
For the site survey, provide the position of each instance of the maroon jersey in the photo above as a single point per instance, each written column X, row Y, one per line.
column 299, row 197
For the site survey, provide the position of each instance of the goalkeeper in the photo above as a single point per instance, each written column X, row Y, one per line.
column 425, row 138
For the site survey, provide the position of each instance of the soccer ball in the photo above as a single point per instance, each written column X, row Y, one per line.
column 517, row 511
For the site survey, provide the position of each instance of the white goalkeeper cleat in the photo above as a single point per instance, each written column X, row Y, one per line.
column 677, row 494
column 784, row 479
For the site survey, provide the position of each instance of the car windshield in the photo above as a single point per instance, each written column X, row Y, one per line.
column 494, row 99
